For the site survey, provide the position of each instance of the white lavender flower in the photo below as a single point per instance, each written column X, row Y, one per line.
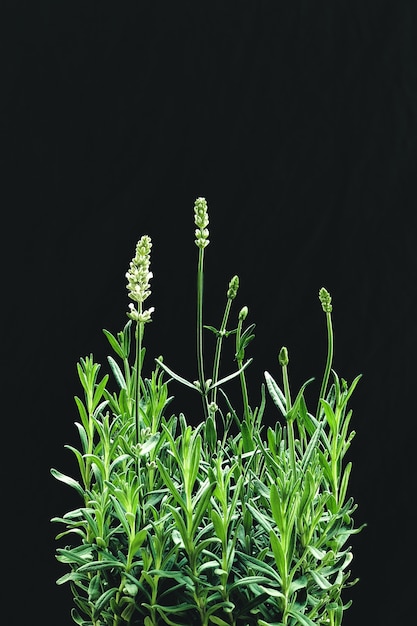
column 138, row 277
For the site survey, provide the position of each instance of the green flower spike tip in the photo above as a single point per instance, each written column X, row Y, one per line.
column 201, row 221
column 283, row 357
column 233, row 288
column 326, row 300
column 138, row 277
column 243, row 313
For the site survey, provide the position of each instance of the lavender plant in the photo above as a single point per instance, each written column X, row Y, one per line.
column 228, row 522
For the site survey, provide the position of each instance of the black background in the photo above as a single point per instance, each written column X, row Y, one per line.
column 298, row 123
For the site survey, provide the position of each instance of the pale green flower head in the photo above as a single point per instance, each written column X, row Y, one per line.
column 233, row 288
column 201, row 221
column 326, row 300
column 138, row 277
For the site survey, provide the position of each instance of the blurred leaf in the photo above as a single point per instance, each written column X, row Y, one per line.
column 148, row 445
column 303, row 620
column 138, row 540
column 322, row 582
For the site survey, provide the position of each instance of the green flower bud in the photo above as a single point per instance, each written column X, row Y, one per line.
column 212, row 409
column 283, row 357
column 233, row 287
column 243, row 313
column 136, row 316
column 325, row 299
column 201, row 221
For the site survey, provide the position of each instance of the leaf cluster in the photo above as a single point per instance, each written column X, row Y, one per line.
column 187, row 527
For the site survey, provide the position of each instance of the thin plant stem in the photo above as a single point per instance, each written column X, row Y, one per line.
column 288, row 402
column 217, row 354
column 200, row 355
column 239, row 359
column 329, row 360
column 140, row 327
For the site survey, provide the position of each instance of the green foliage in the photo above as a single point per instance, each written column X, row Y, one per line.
column 228, row 522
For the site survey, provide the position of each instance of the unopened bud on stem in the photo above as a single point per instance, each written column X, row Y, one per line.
column 283, row 357
column 243, row 313
column 233, row 287
column 326, row 300
column 201, row 221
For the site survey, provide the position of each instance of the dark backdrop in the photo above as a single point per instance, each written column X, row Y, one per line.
column 298, row 122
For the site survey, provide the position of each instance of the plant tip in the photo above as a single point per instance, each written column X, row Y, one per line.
column 233, row 288
column 283, row 357
column 243, row 313
column 201, row 221
column 326, row 300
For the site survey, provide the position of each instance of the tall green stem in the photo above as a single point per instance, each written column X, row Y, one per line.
column 200, row 352
column 138, row 367
column 283, row 359
column 217, row 354
column 239, row 359
column 329, row 361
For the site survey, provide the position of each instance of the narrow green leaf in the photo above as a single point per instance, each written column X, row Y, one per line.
column 180, row 526
column 121, row 515
column 279, row 554
column 351, row 389
column 218, row 525
column 77, row 619
column 276, row 394
column 117, row 372
column 175, row 376
column 99, row 390
column 345, row 482
column 275, row 593
column 99, row 565
column 67, row 480
column 210, row 433
column 114, row 343
column 94, row 588
column 138, row 540
column 303, row 620
column 312, row 447
column 104, row 599
column 299, row 583
column 330, row 416
column 248, row 443
column 322, row 582
column 318, row 554
column 292, row 413
column 81, row 462
column 231, row 376
column 259, row 517
column 148, row 445
column 83, row 436
column 170, row 484
column 276, row 508
column 200, row 502
column 83, row 412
